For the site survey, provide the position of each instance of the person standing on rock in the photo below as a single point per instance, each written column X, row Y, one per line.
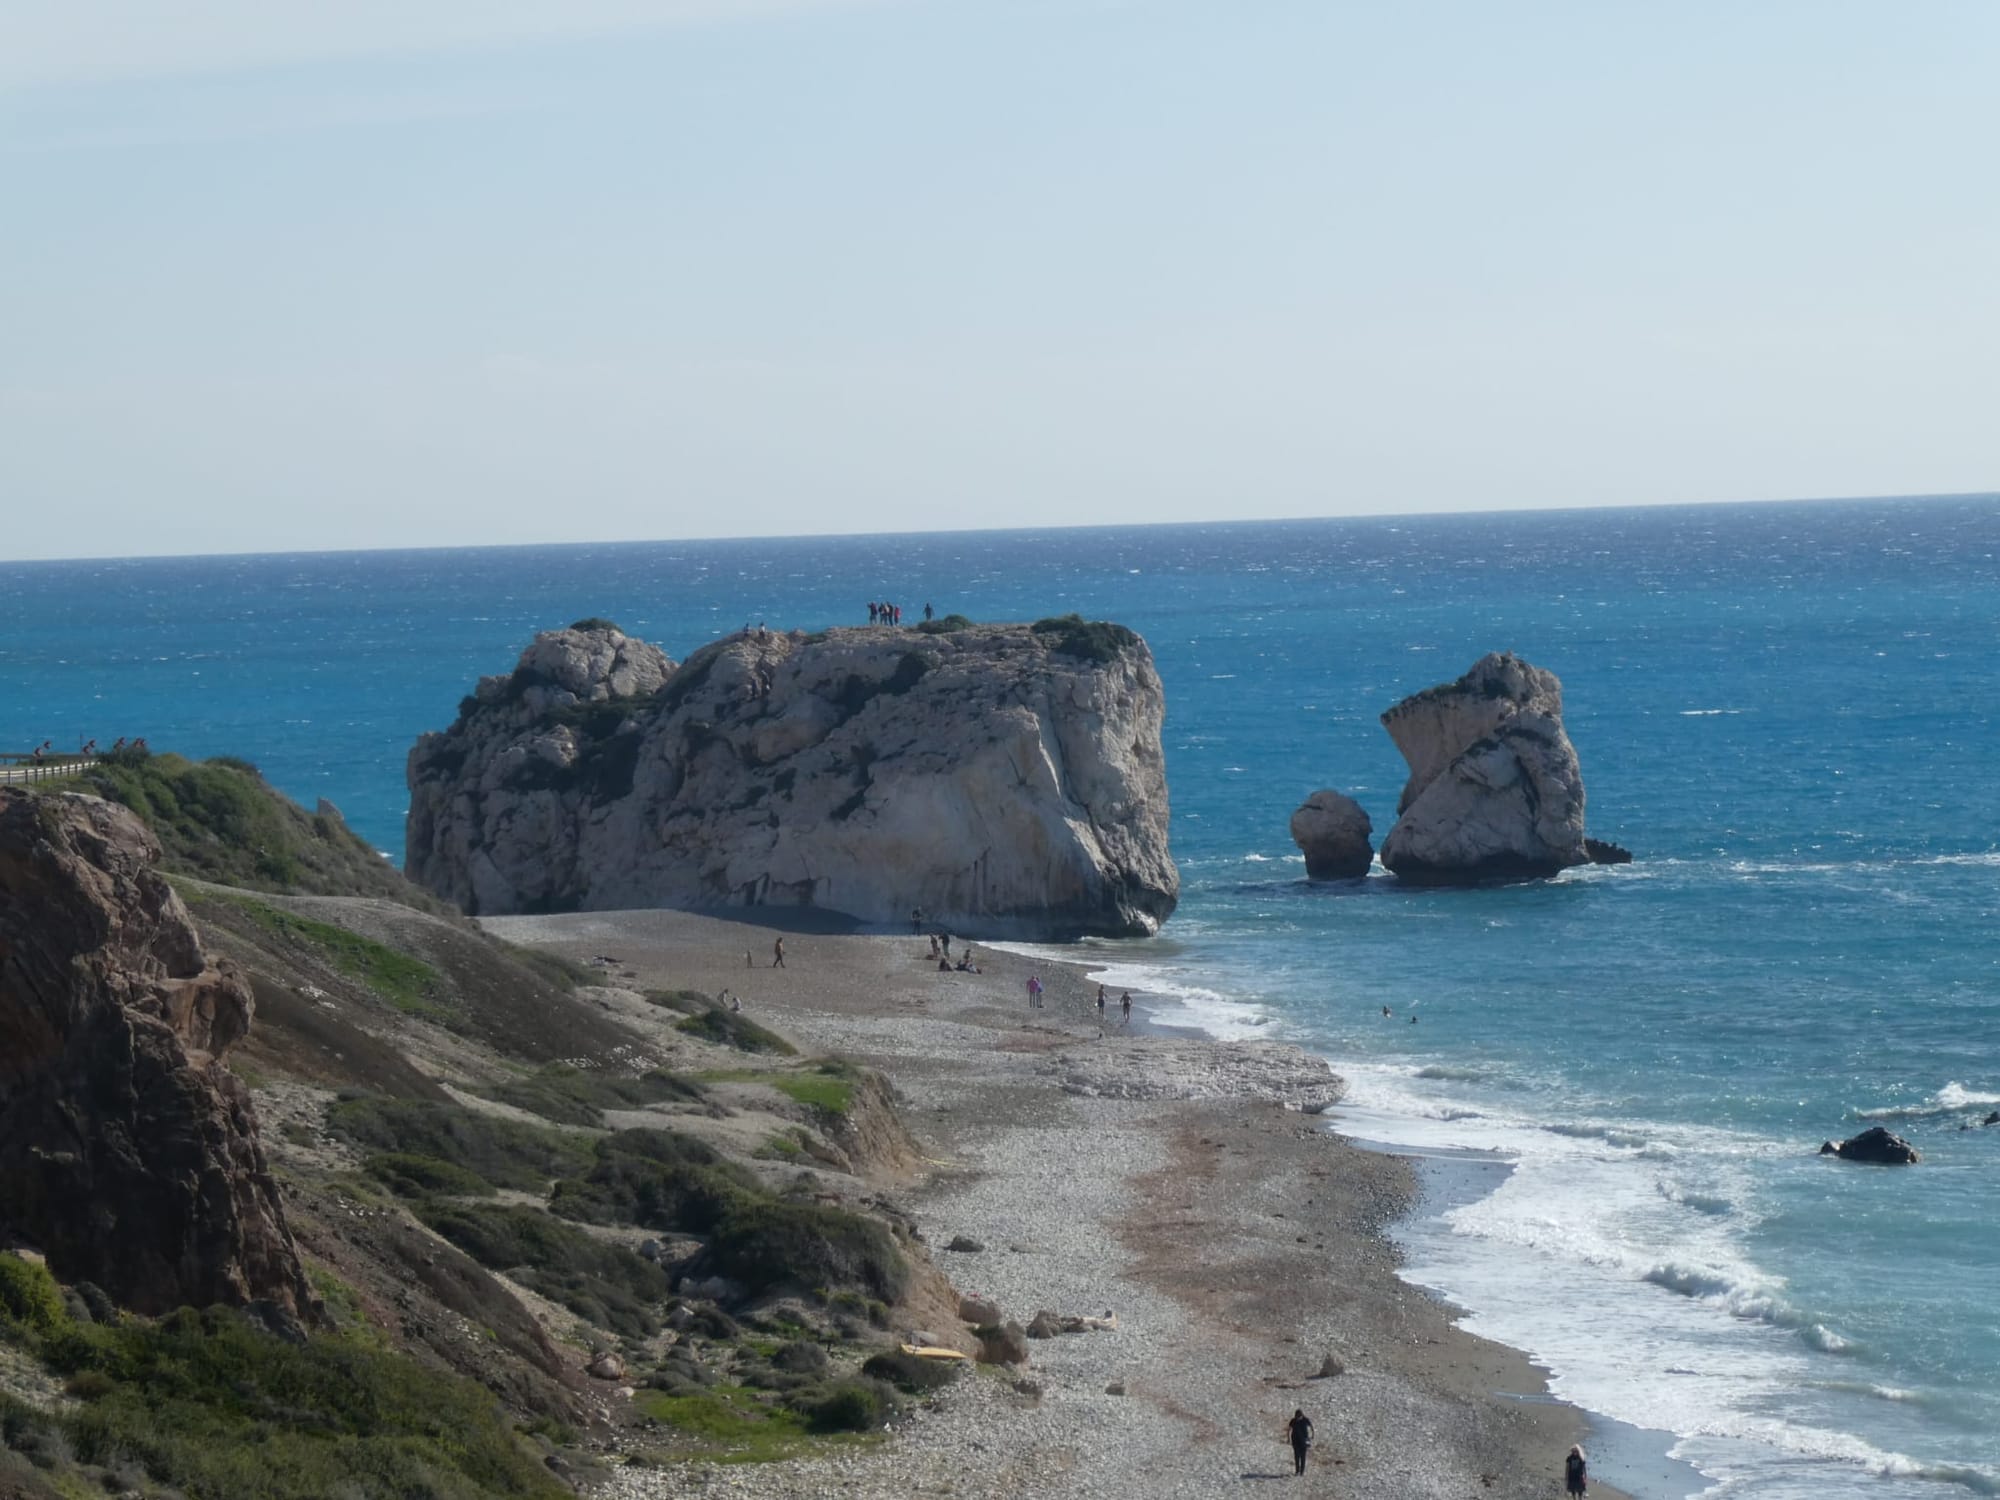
column 778, row 954
column 927, row 610
column 1576, row 1472
column 1300, row 1430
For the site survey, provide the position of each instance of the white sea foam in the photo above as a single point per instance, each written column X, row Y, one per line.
column 1954, row 1098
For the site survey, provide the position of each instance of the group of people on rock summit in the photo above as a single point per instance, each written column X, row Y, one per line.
column 47, row 748
column 891, row 614
column 1299, row 1433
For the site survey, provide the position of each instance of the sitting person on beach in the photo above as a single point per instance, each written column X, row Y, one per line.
column 1576, row 1472
column 1300, row 1430
column 944, row 966
column 966, row 966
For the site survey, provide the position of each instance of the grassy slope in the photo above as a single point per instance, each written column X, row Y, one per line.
column 219, row 820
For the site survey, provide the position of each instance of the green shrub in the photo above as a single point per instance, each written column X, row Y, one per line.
column 655, row 1179
column 218, row 820
column 595, row 622
column 687, row 1002
column 732, row 1029
column 909, row 1372
column 945, row 625
column 571, row 1096
column 412, row 1176
column 29, row 1296
column 607, row 1284
column 1091, row 640
column 506, row 1153
column 845, row 1406
column 766, row 1243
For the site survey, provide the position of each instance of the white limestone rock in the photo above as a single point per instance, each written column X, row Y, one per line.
column 1333, row 832
column 1007, row 779
column 1495, row 791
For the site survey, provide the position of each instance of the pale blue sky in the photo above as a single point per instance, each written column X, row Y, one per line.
column 444, row 272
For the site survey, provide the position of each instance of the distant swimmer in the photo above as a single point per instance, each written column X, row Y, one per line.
column 1576, row 1472
column 1386, row 1011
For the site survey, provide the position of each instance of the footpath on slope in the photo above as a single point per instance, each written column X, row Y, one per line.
column 1238, row 1242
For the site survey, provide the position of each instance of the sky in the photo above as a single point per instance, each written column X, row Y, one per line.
column 277, row 276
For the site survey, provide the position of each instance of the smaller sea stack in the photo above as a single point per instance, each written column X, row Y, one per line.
column 1332, row 830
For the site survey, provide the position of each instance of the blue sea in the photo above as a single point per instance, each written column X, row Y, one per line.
column 1786, row 711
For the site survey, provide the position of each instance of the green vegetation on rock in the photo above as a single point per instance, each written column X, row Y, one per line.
column 408, row 984
column 607, row 1284
column 219, row 820
column 208, row 1404
column 945, row 625
column 1091, row 640
column 732, row 1029
column 571, row 1096
column 502, row 1153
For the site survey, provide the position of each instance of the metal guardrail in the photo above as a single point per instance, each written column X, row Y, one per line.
column 16, row 769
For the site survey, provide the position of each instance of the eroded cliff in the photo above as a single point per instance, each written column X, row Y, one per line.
column 1007, row 779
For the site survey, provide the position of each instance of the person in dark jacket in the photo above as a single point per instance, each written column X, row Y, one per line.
column 1300, row 1429
column 1576, row 1472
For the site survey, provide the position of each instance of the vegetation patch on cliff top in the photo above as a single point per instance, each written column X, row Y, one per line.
column 218, row 819
column 209, row 1404
column 1091, row 640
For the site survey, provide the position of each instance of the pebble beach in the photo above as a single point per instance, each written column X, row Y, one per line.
column 1189, row 1188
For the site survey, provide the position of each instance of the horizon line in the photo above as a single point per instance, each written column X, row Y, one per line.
column 1079, row 526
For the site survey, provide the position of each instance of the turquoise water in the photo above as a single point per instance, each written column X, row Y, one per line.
column 1786, row 711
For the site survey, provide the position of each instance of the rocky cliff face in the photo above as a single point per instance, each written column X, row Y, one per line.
column 1495, row 791
column 1008, row 779
column 128, row 1154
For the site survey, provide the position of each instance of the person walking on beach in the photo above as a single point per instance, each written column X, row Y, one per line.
column 778, row 954
column 1100, row 1002
column 1125, row 1009
column 1300, row 1430
column 1034, row 992
column 1576, row 1472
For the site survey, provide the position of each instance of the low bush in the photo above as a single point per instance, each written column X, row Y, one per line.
column 571, row 1096
column 412, row 1176
column 1090, row 640
column 595, row 622
column 687, row 1002
column 945, row 625
column 655, row 1179
column 911, row 1373
column 845, row 1406
column 29, row 1296
column 208, row 1404
column 766, row 1243
column 409, row 984
column 607, row 1284
column 732, row 1029
column 505, row 1153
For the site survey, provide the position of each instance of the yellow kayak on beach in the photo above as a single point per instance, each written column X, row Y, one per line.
column 932, row 1351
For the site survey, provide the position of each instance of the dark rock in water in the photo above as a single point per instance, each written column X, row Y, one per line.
column 1495, row 792
column 1333, row 831
column 1604, row 852
column 128, row 1153
column 1875, row 1145
column 1992, row 1119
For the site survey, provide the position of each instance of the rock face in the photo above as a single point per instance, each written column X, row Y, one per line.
column 1007, row 779
column 1875, row 1145
column 1495, row 792
column 1333, row 832
column 128, row 1154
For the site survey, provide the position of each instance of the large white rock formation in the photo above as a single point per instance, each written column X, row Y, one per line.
column 1007, row 779
column 1495, row 792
